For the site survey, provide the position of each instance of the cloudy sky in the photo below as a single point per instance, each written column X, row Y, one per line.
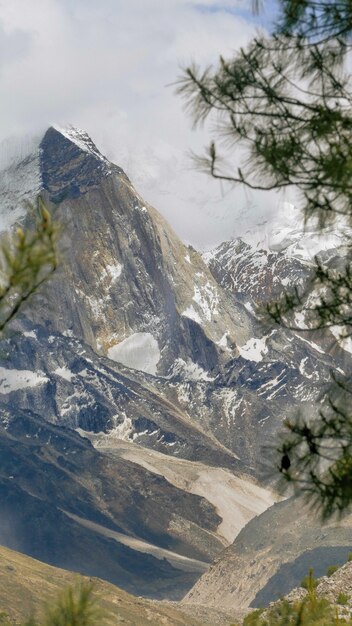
column 106, row 66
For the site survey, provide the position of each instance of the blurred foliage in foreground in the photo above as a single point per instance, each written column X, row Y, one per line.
column 74, row 607
column 27, row 259
column 286, row 101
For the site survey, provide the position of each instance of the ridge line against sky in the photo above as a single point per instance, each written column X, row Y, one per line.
column 105, row 66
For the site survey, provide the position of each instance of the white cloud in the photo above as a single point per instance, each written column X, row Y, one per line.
column 104, row 65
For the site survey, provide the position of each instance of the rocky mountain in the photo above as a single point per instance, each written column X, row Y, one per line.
column 271, row 555
column 128, row 286
column 71, row 506
column 281, row 256
column 111, row 511
column 258, row 274
column 336, row 588
column 131, row 291
column 139, row 347
column 274, row 551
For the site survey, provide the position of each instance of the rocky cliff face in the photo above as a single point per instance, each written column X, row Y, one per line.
column 128, row 286
column 258, row 274
column 280, row 257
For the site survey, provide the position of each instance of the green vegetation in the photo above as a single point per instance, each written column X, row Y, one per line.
column 304, row 613
column 342, row 598
column 331, row 570
column 74, row 607
column 286, row 101
column 309, row 582
column 311, row 611
column 27, row 259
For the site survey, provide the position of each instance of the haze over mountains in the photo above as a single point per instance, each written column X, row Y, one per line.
column 138, row 390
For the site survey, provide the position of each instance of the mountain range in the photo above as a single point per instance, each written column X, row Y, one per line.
column 141, row 394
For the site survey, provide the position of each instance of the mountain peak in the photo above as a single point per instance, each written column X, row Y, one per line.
column 78, row 137
column 70, row 163
column 64, row 161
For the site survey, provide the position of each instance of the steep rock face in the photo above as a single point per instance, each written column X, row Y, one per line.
column 271, row 555
column 70, row 164
column 127, row 285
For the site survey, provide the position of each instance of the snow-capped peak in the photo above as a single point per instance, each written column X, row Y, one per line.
column 287, row 232
column 33, row 164
column 81, row 139
column 305, row 241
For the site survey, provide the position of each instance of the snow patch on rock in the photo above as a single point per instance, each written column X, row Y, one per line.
column 192, row 314
column 124, row 430
column 207, row 299
column 223, row 342
column 254, row 349
column 113, row 271
column 343, row 338
column 65, row 373
column 310, row 343
column 190, row 371
column 139, row 351
column 12, row 380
